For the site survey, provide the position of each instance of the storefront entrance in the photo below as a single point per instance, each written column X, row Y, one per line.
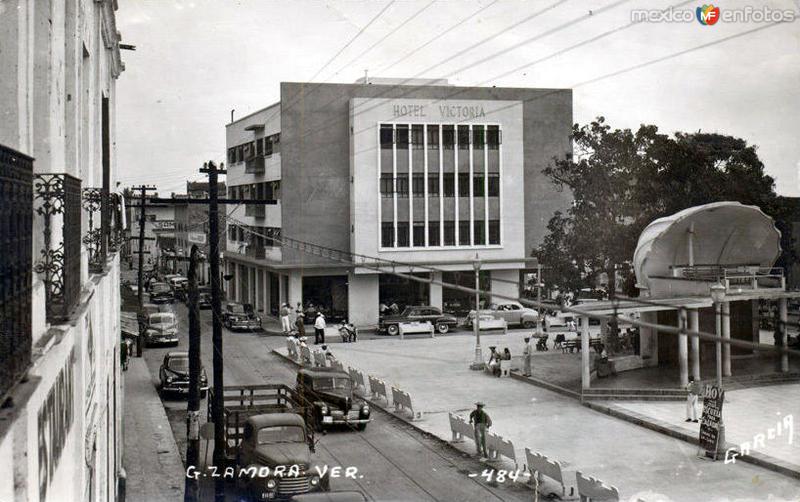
column 327, row 293
column 402, row 291
column 458, row 302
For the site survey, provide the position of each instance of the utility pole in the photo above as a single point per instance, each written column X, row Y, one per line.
column 216, row 336
column 477, row 364
column 540, row 311
column 193, row 408
column 143, row 189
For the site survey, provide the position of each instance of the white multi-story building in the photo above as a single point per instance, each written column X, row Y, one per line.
column 60, row 380
column 417, row 172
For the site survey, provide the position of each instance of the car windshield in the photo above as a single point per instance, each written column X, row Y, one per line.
column 332, row 383
column 179, row 364
column 236, row 309
column 162, row 320
column 160, row 288
column 408, row 311
column 281, row 434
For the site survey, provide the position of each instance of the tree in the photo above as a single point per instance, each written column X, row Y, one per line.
column 623, row 180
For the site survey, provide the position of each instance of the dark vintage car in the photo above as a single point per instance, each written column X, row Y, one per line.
column 174, row 374
column 237, row 316
column 162, row 329
column 329, row 394
column 442, row 322
column 160, row 292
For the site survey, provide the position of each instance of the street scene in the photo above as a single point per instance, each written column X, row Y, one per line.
column 356, row 251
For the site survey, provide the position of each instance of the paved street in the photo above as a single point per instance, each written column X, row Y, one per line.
column 396, row 461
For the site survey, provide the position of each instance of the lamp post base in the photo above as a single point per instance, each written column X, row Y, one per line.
column 478, row 363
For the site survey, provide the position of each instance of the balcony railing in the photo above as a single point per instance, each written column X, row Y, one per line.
column 734, row 277
column 96, row 200
column 254, row 210
column 16, row 265
column 58, row 202
column 254, row 165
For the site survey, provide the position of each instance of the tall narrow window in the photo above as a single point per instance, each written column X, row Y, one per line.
column 260, row 146
column 268, row 146
column 387, row 235
column 387, row 136
column 449, row 185
column 402, row 136
column 463, row 137
column 463, row 184
column 433, row 185
column 463, row 233
column 494, row 185
column 433, row 137
column 417, row 137
column 433, row 233
column 494, row 231
column 493, row 138
column 402, row 234
column 402, row 185
column 477, row 188
column 478, row 137
column 448, row 137
column 387, row 185
column 418, row 185
column 419, row 234
column 480, row 232
column 449, row 233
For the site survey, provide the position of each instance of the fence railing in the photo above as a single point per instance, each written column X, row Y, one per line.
column 57, row 199
column 16, row 265
column 95, row 200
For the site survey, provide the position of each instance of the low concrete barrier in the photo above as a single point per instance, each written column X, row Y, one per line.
column 377, row 388
column 358, row 380
column 539, row 465
column 593, row 489
column 505, row 368
column 291, row 347
column 319, row 359
column 496, row 446
column 407, row 328
column 402, row 402
column 305, row 355
column 460, row 428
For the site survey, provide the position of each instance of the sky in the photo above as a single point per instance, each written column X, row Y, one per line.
column 195, row 61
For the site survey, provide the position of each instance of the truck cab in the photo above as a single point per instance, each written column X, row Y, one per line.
column 330, row 398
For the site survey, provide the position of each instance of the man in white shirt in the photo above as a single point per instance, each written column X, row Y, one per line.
column 285, row 323
column 319, row 329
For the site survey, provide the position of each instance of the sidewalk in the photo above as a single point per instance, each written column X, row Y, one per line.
column 150, row 458
column 636, row 460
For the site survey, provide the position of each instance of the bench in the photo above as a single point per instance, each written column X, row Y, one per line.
column 408, row 328
column 402, row 402
column 592, row 489
column 377, row 388
column 539, row 466
column 460, row 428
column 496, row 446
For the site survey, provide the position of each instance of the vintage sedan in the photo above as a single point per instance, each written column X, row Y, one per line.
column 237, row 316
column 329, row 393
column 441, row 321
column 174, row 374
column 512, row 312
column 161, row 293
column 162, row 329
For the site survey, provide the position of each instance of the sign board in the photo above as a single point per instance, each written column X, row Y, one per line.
column 711, row 419
column 197, row 237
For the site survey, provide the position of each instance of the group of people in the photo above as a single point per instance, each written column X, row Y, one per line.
column 300, row 325
column 494, row 359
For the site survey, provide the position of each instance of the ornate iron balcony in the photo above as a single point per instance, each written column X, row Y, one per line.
column 16, row 264
column 58, row 202
column 94, row 200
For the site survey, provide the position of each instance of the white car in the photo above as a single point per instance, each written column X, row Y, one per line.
column 513, row 313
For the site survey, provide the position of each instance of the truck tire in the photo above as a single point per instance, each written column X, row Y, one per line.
column 442, row 328
column 393, row 330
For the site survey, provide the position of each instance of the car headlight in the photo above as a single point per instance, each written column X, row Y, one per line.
column 271, row 484
column 365, row 410
column 314, row 480
column 169, row 379
column 323, row 409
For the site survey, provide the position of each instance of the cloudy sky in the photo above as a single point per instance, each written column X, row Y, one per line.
column 197, row 60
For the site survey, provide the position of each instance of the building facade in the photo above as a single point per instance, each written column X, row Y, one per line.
column 419, row 173
column 60, row 379
column 191, row 228
column 159, row 230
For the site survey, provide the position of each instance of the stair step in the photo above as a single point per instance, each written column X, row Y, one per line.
column 633, row 397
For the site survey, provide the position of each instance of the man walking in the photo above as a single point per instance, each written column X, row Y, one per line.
column 300, row 325
column 319, row 329
column 527, row 357
column 286, row 325
column 481, row 421
column 691, row 400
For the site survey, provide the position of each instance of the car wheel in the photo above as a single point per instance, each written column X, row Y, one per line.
column 528, row 324
column 442, row 328
column 393, row 330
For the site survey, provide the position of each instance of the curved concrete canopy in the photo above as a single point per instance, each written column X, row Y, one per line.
column 724, row 233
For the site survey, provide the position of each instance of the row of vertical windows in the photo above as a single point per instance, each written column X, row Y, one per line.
column 489, row 136
column 387, row 185
column 258, row 236
column 418, row 233
column 262, row 146
column 269, row 190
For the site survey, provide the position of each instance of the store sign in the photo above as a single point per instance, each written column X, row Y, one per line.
column 445, row 112
column 711, row 420
column 197, row 237
column 55, row 421
column 164, row 225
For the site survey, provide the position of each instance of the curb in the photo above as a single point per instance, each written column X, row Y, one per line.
column 546, row 385
column 755, row 458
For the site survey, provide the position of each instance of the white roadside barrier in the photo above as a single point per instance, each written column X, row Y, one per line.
column 539, row 466
column 496, row 446
column 402, row 402
column 305, row 355
column 407, row 328
column 358, row 380
column 319, row 359
column 460, row 428
column 377, row 388
column 593, row 489
column 291, row 348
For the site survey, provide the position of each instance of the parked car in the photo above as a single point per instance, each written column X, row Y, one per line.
column 441, row 321
column 329, row 392
column 162, row 328
column 237, row 316
column 204, row 301
column 178, row 283
column 174, row 374
column 160, row 292
column 512, row 312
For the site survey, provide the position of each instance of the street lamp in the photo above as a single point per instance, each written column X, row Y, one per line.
column 718, row 296
column 477, row 364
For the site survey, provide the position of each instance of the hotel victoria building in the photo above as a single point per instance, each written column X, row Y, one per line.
column 418, row 172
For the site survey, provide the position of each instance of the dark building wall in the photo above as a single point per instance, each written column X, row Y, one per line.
column 315, row 163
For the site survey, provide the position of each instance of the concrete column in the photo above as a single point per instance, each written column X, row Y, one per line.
column 504, row 282
column 436, row 291
column 295, row 293
column 783, row 311
column 362, row 299
column 236, row 280
column 586, row 377
column 726, row 334
column 694, row 325
column 268, row 291
column 649, row 339
column 683, row 349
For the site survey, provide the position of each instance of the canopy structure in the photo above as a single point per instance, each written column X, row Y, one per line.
column 706, row 244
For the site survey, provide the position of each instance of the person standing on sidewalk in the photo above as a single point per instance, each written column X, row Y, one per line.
column 286, row 325
column 300, row 325
column 481, row 421
column 691, row 400
column 526, row 353
column 319, row 329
